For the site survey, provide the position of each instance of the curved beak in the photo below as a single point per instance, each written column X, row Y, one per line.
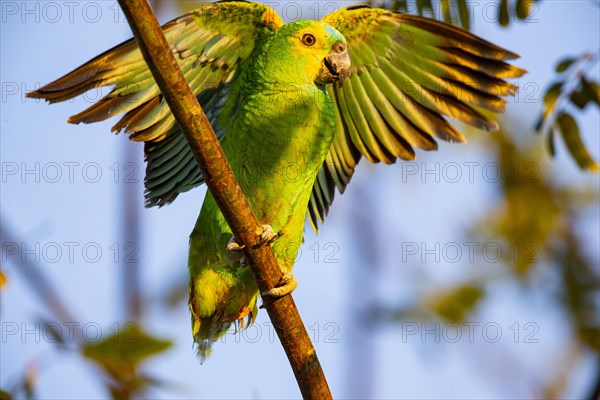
column 336, row 66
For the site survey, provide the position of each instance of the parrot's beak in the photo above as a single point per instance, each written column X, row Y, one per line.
column 336, row 66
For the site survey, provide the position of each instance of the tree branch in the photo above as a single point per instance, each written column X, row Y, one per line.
column 36, row 278
column 227, row 193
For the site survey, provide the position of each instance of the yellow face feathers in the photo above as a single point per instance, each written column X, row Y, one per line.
column 305, row 46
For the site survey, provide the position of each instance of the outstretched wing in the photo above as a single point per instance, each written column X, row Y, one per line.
column 407, row 73
column 210, row 45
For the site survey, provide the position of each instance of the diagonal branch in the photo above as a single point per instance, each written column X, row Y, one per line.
column 227, row 193
column 35, row 276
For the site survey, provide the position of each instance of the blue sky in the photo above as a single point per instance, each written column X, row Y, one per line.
column 70, row 200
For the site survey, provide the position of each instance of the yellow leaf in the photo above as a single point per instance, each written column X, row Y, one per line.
column 455, row 304
column 3, row 279
column 570, row 133
column 121, row 352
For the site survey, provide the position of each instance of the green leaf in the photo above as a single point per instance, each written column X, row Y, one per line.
column 570, row 133
column 591, row 90
column 539, row 123
column 137, row 387
column 590, row 337
column 463, row 13
column 564, row 64
column 4, row 395
column 586, row 92
column 579, row 98
column 552, row 94
column 523, row 8
column 581, row 286
column 596, row 89
column 457, row 303
column 424, row 7
column 503, row 13
column 550, row 98
column 550, row 142
column 420, row 7
column 446, row 10
column 121, row 352
column 399, row 5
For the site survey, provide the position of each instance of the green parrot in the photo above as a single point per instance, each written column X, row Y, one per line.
column 295, row 107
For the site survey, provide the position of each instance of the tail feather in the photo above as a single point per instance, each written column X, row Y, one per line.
column 208, row 330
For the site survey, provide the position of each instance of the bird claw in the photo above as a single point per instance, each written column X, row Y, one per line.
column 286, row 285
column 233, row 245
column 266, row 235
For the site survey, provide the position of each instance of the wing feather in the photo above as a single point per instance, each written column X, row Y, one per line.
column 408, row 74
column 210, row 44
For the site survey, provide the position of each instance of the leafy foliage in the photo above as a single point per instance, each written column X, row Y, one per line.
column 580, row 292
column 120, row 352
column 573, row 90
column 460, row 12
column 537, row 225
column 456, row 304
column 537, row 211
column 120, row 355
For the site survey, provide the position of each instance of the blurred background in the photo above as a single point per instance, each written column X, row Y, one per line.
column 472, row 272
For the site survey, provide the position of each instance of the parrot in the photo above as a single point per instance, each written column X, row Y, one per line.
column 295, row 107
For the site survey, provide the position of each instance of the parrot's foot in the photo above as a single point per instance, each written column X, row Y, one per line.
column 266, row 235
column 233, row 245
column 286, row 285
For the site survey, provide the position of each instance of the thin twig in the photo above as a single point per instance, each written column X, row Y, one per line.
column 36, row 278
column 582, row 64
column 227, row 193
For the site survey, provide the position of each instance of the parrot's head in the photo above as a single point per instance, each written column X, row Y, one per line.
column 316, row 53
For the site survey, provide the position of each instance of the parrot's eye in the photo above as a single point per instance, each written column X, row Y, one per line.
column 308, row 39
